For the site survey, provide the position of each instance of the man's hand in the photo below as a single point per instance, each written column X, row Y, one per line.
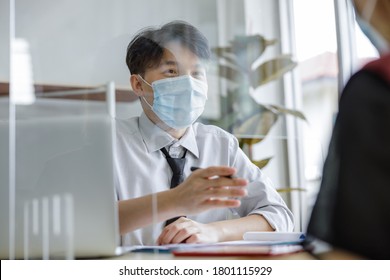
column 188, row 231
column 208, row 188
column 203, row 190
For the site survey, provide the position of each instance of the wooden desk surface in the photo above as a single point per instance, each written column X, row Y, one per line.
column 339, row 254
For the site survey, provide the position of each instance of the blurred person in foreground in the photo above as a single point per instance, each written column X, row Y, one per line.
column 352, row 208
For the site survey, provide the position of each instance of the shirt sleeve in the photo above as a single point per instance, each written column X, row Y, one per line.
column 262, row 198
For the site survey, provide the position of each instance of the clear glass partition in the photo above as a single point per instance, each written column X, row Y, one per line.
column 4, row 124
column 68, row 80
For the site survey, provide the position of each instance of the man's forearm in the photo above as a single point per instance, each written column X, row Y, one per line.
column 234, row 229
column 138, row 212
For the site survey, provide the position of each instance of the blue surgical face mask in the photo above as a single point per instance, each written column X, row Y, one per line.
column 178, row 101
column 374, row 36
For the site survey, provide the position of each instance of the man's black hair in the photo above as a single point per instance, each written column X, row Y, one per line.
column 146, row 49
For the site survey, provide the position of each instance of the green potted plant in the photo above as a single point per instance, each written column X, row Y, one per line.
column 241, row 114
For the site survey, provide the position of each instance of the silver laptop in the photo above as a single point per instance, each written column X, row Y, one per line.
column 65, row 197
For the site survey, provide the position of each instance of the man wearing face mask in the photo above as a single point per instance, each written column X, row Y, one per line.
column 352, row 208
column 168, row 73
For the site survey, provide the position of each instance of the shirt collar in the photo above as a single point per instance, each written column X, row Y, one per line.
column 155, row 138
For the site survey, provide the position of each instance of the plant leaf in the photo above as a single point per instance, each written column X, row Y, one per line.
column 257, row 125
column 261, row 163
column 283, row 110
column 219, row 51
column 271, row 70
column 249, row 141
column 229, row 58
column 228, row 72
column 248, row 49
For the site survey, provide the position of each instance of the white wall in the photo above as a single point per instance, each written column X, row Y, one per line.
column 84, row 42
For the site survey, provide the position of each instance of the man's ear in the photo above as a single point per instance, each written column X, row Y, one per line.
column 136, row 85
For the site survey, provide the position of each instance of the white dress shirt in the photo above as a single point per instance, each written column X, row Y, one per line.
column 141, row 169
